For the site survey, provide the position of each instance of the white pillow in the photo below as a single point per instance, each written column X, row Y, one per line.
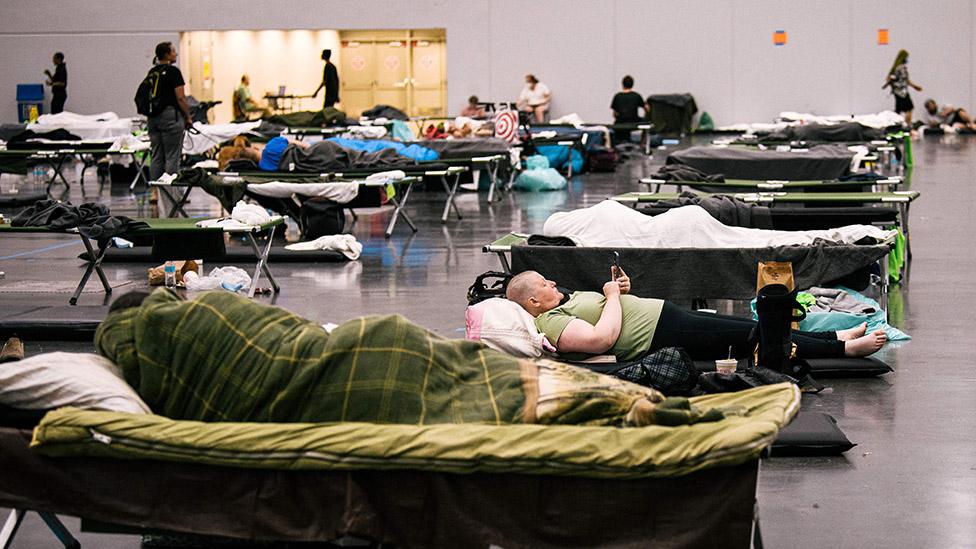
column 82, row 380
column 505, row 326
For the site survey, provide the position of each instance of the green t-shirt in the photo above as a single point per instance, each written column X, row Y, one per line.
column 243, row 94
column 639, row 320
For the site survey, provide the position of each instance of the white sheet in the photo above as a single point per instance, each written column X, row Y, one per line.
column 878, row 120
column 338, row 192
column 612, row 224
column 346, row 244
column 212, row 135
column 91, row 127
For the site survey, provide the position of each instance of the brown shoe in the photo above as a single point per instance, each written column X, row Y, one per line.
column 12, row 350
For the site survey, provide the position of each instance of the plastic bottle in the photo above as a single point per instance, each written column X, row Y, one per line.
column 169, row 272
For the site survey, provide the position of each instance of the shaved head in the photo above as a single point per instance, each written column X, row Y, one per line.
column 523, row 286
column 533, row 292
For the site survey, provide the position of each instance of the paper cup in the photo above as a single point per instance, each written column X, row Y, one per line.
column 726, row 366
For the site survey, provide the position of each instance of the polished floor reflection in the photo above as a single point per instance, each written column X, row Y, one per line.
column 910, row 482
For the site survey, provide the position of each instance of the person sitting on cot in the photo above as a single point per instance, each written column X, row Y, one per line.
column 473, row 109
column 535, row 98
column 223, row 357
column 629, row 327
column 946, row 115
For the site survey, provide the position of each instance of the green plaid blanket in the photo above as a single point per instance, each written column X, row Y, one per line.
column 220, row 357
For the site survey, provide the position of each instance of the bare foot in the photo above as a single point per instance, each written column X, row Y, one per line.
column 852, row 333
column 866, row 344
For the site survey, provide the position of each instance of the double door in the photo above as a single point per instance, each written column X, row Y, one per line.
column 407, row 73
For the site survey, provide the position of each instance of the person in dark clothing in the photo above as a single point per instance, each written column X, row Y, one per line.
column 166, row 129
column 59, row 83
column 330, row 81
column 625, row 107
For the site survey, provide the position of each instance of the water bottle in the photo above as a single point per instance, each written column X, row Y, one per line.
column 169, row 273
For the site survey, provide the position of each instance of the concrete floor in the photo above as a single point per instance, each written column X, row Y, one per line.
column 910, row 482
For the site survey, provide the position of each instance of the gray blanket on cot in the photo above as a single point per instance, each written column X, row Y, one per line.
column 823, row 162
column 711, row 273
column 326, row 156
column 729, row 210
column 467, row 147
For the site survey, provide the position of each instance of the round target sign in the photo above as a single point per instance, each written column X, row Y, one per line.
column 358, row 63
column 392, row 62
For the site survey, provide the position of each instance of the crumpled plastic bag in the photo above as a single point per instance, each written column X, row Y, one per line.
column 233, row 279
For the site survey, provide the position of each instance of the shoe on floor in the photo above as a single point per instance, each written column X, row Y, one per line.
column 12, row 350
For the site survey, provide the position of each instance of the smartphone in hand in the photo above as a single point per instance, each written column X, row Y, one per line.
column 615, row 265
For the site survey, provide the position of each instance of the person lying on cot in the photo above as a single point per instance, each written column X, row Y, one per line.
column 629, row 327
column 268, row 158
column 947, row 115
column 223, row 357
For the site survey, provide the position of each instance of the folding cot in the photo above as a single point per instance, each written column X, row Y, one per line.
column 18, row 160
column 758, row 185
column 818, row 162
column 705, row 273
column 902, row 200
column 248, row 182
column 456, row 485
column 175, row 236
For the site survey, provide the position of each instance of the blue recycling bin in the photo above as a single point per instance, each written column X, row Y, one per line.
column 29, row 96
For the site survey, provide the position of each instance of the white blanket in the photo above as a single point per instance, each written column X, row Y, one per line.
column 611, row 224
column 879, row 120
column 212, row 135
column 94, row 127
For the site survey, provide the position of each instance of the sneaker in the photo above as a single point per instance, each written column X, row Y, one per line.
column 12, row 350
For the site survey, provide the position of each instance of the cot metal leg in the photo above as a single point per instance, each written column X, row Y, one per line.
column 493, row 179
column 451, row 191
column 177, row 203
column 398, row 212
column 16, row 517
column 569, row 162
column 883, row 285
column 10, row 527
column 262, row 264
column 58, row 170
column 140, row 164
column 60, row 531
column 503, row 259
column 95, row 258
column 904, row 224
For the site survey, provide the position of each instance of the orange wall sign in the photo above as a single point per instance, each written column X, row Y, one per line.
column 779, row 38
column 882, row 37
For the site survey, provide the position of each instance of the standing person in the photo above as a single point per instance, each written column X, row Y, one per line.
column 166, row 128
column 535, row 98
column 330, row 81
column 58, row 82
column 625, row 106
column 899, row 82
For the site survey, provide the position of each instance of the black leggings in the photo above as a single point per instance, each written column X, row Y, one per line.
column 707, row 336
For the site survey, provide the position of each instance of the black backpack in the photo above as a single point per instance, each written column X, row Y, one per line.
column 148, row 99
column 480, row 290
column 321, row 217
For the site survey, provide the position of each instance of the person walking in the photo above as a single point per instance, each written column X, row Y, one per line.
column 899, row 82
column 58, row 82
column 330, row 81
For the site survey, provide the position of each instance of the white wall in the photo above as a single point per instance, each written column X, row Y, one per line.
column 719, row 50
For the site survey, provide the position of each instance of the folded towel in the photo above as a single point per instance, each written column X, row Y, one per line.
column 344, row 243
